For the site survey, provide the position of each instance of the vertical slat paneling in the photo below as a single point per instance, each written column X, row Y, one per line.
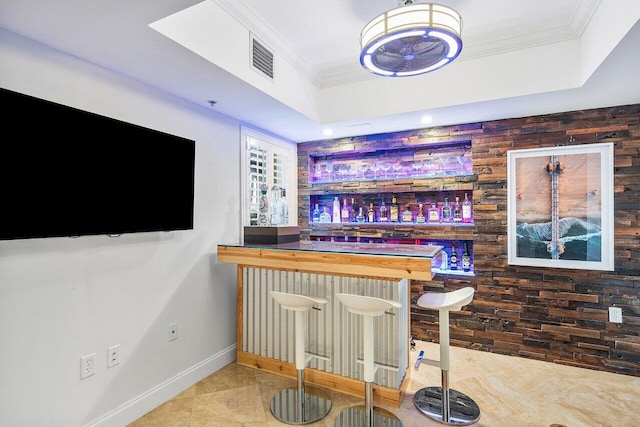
column 332, row 331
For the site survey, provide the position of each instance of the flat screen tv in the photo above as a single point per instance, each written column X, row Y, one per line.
column 68, row 172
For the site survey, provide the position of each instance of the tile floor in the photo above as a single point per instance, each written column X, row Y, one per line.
column 510, row 392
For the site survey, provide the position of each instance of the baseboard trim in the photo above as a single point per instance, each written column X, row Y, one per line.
column 145, row 402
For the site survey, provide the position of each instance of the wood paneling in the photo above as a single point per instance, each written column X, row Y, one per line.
column 555, row 315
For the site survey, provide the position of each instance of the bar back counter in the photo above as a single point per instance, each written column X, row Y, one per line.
column 265, row 331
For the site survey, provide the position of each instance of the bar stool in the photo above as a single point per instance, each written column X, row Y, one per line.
column 439, row 403
column 367, row 415
column 299, row 405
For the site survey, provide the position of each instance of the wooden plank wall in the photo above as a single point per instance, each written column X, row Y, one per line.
column 554, row 315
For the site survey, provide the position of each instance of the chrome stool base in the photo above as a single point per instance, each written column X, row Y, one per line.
column 462, row 409
column 357, row 416
column 288, row 408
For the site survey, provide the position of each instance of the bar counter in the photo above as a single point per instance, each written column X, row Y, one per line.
column 265, row 331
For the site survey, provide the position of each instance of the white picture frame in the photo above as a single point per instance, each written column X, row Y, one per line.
column 560, row 207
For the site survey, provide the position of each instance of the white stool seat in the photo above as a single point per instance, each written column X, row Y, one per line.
column 366, row 306
column 297, row 302
column 453, row 301
column 302, row 404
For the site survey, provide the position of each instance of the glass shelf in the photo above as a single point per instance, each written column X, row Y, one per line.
column 430, row 161
column 454, row 272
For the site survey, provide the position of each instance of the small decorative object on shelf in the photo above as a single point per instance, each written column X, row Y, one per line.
column 384, row 213
column 457, row 211
column 466, row 258
column 420, row 218
column 434, row 213
column 371, row 213
column 394, row 210
column 264, row 218
column 466, row 209
column 446, row 211
column 407, row 215
column 444, row 265
column 345, row 214
column 453, row 259
column 324, row 215
column 336, row 209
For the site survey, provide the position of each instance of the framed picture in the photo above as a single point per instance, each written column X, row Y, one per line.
column 560, row 207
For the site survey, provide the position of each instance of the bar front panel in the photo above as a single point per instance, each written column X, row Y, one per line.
column 333, row 335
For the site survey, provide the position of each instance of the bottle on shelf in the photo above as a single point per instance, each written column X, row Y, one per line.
column 407, row 215
column 457, row 211
column 354, row 209
column 433, row 213
column 336, row 209
column 466, row 209
column 420, row 218
column 466, row 258
column 394, row 214
column 325, row 216
column 345, row 215
column 384, row 212
column 315, row 216
column 360, row 216
column 371, row 213
column 453, row 259
column 446, row 211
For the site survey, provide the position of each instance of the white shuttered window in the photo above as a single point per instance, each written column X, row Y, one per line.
column 269, row 174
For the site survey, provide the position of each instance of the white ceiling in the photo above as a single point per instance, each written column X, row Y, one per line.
column 520, row 58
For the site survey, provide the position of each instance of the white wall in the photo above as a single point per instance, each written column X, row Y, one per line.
column 63, row 298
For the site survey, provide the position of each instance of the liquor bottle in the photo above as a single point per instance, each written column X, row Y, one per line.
column 354, row 209
column 434, row 213
column 325, row 216
column 466, row 258
column 345, row 214
column 420, row 219
column 457, row 211
column 360, row 216
column 466, row 209
column 453, row 259
column 336, row 209
column 384, row 213
column 393, row 210
column 407, row 215
column 446, row 211
column 316, row 214
column 371, row 214
column 285, row 207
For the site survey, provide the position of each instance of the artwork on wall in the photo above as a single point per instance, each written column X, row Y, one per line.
column 560, row 207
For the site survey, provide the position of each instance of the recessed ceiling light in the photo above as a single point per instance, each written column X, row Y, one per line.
column 327, row 132
column 426, row 119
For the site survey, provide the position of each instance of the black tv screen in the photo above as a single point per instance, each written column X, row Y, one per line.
column 68, row 172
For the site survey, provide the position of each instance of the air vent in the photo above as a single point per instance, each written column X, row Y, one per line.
column 261, row 58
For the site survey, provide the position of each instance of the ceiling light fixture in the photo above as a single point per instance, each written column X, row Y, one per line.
column 412, row 39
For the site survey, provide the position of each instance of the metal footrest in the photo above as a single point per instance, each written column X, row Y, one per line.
column 462, row 409
column 288, row 406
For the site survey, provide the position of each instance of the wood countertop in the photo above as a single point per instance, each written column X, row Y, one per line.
column 379, row 260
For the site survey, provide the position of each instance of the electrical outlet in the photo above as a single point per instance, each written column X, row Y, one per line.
column 173, row 332
column 615, row 314
column 87, row 365
column 113, row 355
